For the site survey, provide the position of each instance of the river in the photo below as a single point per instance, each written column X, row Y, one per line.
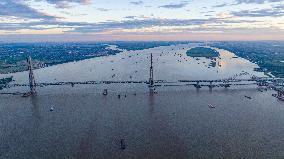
column 174, row 123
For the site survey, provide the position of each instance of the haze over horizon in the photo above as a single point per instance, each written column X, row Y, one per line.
column 141, row 20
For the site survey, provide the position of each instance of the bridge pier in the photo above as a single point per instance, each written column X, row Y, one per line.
column 197, row 85
column 227, row 85
column 263, row 83
column 211, row 85
column 278, row 82
column 275, row 82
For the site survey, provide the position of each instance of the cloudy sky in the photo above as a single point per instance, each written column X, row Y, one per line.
column 107, row 20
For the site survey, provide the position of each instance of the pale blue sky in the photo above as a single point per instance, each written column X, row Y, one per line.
column 96, row 20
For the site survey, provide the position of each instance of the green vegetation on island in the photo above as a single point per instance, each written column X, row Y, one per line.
column 202, row 52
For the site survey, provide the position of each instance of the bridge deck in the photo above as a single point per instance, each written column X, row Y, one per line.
column 218, row 82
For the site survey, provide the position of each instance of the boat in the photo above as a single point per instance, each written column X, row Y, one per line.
column 274, row 95
column 105, row 92
column 27, row 94
column 122, row 144
column 211, row 106
column 248, row 97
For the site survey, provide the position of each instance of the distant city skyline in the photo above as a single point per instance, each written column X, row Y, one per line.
column 140, row 20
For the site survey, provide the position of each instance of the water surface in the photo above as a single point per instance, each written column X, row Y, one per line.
column 175, row 123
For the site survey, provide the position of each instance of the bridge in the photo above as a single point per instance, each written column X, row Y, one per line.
column 233, row 81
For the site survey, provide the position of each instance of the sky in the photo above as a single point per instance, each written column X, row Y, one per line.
column 140, row 20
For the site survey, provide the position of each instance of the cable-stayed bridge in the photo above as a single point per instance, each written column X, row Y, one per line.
column 232, row 81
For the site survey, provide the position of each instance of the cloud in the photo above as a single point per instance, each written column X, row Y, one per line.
column 12, row 8
column 256, row 1
column 175, row 5
column 130, row 17
column 66, row 3
column 281, row 6
column 276, row 11
column 138, row 27
column 220, row 5
column 37, row 25
column 135, row 24
column 83, row 27
column 103, row 9
column 137, row 2
column 237, row 2
column 39, row 22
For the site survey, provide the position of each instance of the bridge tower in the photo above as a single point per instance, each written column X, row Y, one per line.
column 31, row 76
column 151, row 79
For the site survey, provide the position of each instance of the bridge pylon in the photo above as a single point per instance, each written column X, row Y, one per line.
column 151, row 79
column 32, row 83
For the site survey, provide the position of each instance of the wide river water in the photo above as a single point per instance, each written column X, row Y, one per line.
column 174, row 123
